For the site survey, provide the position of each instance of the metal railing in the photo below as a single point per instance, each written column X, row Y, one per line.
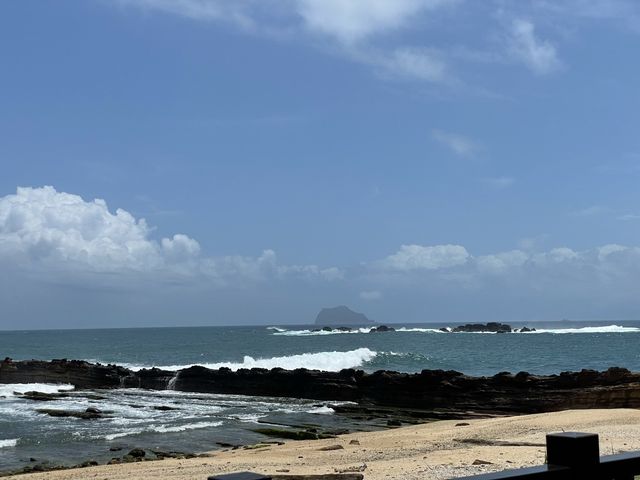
column 573, row 455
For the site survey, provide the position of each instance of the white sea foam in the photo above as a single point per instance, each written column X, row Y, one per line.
column 9, row 442
column 9, row 389
column 316, row 332
column 183, row 428
column 323, row 410
column 126, row 433
column 327, row 361
column 248, row 417
column 602, row 329
column 419, row 330
column 162, row 429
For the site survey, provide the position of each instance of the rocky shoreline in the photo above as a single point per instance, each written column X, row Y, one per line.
column 446, row 394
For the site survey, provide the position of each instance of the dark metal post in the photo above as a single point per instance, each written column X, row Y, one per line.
column 579, row 451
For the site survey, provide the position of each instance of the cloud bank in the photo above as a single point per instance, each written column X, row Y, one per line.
column 50, row 231
column 62, row 254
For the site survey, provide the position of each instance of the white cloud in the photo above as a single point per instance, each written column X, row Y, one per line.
column 418, row 257
column 351, row 21
column 539, row 56
column 52, row 231
column 458, row 144
column 370, row 295
column 371, row 32
column 351, row 25
column 42, row 225
column 555, row 256
column 500, row 262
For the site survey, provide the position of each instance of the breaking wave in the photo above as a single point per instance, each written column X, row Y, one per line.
column 603, row 329
column 161, row 429
column 11, row 389
column 9, row 442
column 318, row 332
column 419, row 330
column 327, row 361
column 183, row 428
column 324, row 410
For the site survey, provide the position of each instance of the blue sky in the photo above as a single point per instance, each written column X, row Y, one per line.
column 418, row 160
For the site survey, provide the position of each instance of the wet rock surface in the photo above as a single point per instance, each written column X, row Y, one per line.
column 443, row 394
column 88, row 414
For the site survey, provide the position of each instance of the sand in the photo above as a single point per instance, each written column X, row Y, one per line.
column 427, row 451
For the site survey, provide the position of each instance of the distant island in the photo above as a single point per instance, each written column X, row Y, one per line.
column 341, row 316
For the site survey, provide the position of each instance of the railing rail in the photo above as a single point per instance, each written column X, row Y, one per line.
column 573, row 455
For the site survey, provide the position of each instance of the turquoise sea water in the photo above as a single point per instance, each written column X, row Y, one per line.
column 200, row 421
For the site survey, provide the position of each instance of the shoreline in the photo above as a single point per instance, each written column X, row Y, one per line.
column 438, row 450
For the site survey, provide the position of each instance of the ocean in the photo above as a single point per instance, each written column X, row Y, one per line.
column 176, row 421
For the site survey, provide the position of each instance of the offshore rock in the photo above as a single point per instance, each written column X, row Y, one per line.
column 492, row 327
column 340, row 316
column 444, row 393
column 382, row 328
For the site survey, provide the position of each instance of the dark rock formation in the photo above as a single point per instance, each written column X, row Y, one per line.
column 75, row 372
column 442, row 393
column 88, row 414
column 42, row 397
column 492, row 327
column 526, row 330
column 382, row 328
column 333, row 329
column 340, row 316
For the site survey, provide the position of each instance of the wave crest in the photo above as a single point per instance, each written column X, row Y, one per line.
column 602, row 329
column 10, row 389
column 327, row 361
column 9, row 442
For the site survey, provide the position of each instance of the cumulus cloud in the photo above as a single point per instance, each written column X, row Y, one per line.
column 538, row 55
column 501, row 262
column 612, row 265
column 56, row 231
column 43, row 225
column 83, row 245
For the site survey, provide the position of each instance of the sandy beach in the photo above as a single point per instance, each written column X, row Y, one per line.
column 438, row 450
